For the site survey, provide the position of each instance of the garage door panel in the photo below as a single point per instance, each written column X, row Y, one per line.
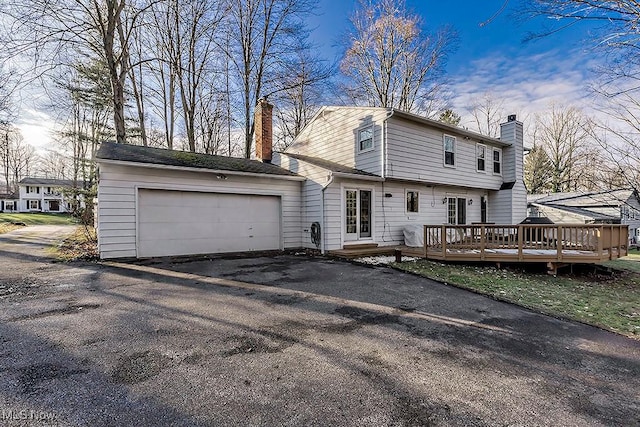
column 183, row 223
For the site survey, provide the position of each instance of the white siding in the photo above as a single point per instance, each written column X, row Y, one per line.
column 117, row 201
column 513, row 170
column 311, row 198
column 416, row 152
column 389, row 213
column 333, row 136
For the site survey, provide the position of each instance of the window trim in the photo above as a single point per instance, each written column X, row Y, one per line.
column 493, row 162
column 484, row 157
column 406, row 202
column 30, row 202
column 359, row 140
column 444, row 150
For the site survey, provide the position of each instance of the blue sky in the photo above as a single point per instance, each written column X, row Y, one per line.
column 491, row 58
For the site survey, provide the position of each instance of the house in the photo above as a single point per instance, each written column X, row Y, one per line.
column 8, row 201
column 619, row 206
column 44, row 195
column 353, row 176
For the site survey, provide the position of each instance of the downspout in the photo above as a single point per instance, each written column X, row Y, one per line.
column 323, row 239
column 383, row 148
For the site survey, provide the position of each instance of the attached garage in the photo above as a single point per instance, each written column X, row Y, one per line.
column 189, row 222
column 156, row 202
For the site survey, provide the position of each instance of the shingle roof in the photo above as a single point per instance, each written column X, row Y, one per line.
column 581, row 199
column 161, row 156
column 5, row 196
column 51, row 182
column 596, row 216
column 331, row 166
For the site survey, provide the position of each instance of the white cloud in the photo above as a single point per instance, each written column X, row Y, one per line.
column 525, row 84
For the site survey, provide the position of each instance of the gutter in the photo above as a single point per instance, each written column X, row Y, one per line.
column 202, row 170
column 356, row 176
column 385, row 137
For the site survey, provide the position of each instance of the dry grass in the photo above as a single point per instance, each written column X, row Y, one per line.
column 81, row 245
column 6, row 227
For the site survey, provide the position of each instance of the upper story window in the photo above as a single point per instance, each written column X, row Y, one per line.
column 481, row 155
column 31, row 189
column 365, row 139
column 497, row 161
column 449, row 150
column 413, row 202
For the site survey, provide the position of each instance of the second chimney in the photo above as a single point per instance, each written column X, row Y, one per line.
column 264, row 130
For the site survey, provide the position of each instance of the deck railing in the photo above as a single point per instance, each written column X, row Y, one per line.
column 526, row 242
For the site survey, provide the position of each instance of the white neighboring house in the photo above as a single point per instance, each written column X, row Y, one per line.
column 619, row 206
column 44, row 195
column 353, row 176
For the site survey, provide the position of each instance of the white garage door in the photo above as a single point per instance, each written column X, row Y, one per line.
column 186, row 223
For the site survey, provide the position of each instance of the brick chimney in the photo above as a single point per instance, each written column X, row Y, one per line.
column 264, row 130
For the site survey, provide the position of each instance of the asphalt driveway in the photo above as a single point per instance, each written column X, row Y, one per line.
column 288, row 340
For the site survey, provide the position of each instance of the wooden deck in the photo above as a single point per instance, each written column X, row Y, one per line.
column 553, row 244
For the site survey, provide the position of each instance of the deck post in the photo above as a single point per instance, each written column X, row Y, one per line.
column 443, row 238
column 559, row 243
column 600, row 241
column 483, row 241
column 520, row 242
column 426, row 243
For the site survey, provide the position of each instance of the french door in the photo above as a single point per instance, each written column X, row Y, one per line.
column 357, row 214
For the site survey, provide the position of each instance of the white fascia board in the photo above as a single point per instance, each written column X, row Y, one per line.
column 357, row 176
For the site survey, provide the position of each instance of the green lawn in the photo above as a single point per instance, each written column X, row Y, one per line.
column 609, row 301
column 37, row 218
column 631, row 262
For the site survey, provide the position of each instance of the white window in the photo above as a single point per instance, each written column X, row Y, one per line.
column 413, row 202
column 497, row 161
column 481, row 155
column 449, row 150
column 33, row 204
column 365, row 139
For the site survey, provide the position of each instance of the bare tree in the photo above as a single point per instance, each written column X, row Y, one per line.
column 303, row 85
column 537, row 168
column 51, row 31
column 54, row 165
column 564, row 133
column 262, row 33
column 392, row 60
column 487, row 111
column 619, row 139
column 16, row 156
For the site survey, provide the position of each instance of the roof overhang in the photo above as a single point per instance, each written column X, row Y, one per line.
column 356, row 176
column 200, row 170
